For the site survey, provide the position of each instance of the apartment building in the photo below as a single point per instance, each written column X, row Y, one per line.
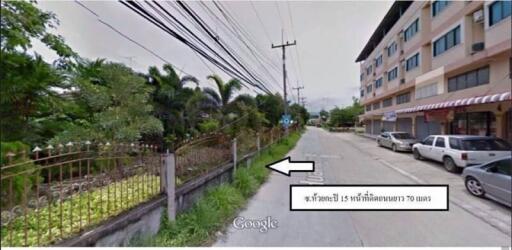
column 439, row 67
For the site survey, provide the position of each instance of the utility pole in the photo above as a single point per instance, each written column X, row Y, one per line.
column 303, row 101
column 283, row 47
column 298, row 93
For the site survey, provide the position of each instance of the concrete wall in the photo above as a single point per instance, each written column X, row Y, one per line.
column 147, row 225
column 144, row 220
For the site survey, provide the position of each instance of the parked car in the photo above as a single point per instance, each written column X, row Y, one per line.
column 397, row 141
column 491, row 180
column 459, row 151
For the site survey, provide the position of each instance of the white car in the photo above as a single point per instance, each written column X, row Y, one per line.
column 459, row 151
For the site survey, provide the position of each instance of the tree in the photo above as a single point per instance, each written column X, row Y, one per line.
column 346, row 117
column 171, row 98
column 272, row 105
column 324, row 115
column 31, row 97
column 221, row 97
column 299, row 114
column 117, row 103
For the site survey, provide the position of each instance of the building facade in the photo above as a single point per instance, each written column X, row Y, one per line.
column 439, row 67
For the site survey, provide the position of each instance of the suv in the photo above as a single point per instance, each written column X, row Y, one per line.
column 459, row 151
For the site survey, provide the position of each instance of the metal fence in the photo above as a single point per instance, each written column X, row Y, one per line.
column 199, row 156
column 53, row 193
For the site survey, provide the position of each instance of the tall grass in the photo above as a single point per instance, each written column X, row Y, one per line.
column 197, row 226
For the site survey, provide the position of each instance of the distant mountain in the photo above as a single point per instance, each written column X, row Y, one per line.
column 315, row 105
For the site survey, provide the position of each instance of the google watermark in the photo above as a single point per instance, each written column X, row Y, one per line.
column 262, row 225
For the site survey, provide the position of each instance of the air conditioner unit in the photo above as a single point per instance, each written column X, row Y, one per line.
column 401, row 34
column 478, row 16
column 477, row 47
column 402, row 63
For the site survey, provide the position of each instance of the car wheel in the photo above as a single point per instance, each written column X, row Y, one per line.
column 393, row 147
column 417, row 154
column 474, row 187
column 449, row 164
column 378, row 143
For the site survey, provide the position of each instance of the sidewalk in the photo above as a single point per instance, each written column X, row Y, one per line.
column 368, row 136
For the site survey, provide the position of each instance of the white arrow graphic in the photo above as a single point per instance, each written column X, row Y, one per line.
column 286, row 166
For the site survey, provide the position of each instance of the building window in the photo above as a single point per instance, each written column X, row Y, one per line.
column 378, row 83
column 412, row 62
column 369, row 70
column 376, row 105
column 362, row 77
column 387, row 102
column 438, row 6
column 393, row 74
column 469, row 79
column 426, row 91
column 498, row 11
column 368, row 107
column 369, row 88
column 411, row 30
column 447, row 41
column 378, row 61
column 403, row 98
column 392, row 49
column 362, row 92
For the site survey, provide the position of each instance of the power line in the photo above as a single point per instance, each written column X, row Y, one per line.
column 205, row 27
column 297, row 47
column 129, row 38
column 237, row 30
column 224, row 65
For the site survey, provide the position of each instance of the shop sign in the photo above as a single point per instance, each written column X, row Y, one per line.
column 436, row 115
column 389, row 116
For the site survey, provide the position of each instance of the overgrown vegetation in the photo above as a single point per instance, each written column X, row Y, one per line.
column 56, row 221
column 77, row 99
column 347, row 116
column 210, row 214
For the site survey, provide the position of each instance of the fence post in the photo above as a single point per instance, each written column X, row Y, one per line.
column 258, row 145
column 272, row 136
column 170, row 184
column 234, row 155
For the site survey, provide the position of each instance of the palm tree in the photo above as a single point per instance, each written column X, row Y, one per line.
column 170, row 98
column 221, row 97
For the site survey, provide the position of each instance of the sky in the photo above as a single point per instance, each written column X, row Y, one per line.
column 329, row 36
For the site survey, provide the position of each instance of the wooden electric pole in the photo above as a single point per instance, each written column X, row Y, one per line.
column 283, row 47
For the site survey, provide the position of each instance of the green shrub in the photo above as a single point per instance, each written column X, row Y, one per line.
column 209, row 125
column 244, row 182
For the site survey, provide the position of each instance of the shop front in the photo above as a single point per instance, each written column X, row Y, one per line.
column 473, row 123
column 489, row 115
column 404, row 125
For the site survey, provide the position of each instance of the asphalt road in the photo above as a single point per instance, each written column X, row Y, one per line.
column 350, row 159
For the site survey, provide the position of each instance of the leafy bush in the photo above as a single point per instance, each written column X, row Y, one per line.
column 209, row 125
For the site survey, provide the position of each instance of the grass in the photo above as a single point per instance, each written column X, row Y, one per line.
column 198, row 226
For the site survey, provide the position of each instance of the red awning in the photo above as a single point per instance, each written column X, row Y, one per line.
column 460, row 102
